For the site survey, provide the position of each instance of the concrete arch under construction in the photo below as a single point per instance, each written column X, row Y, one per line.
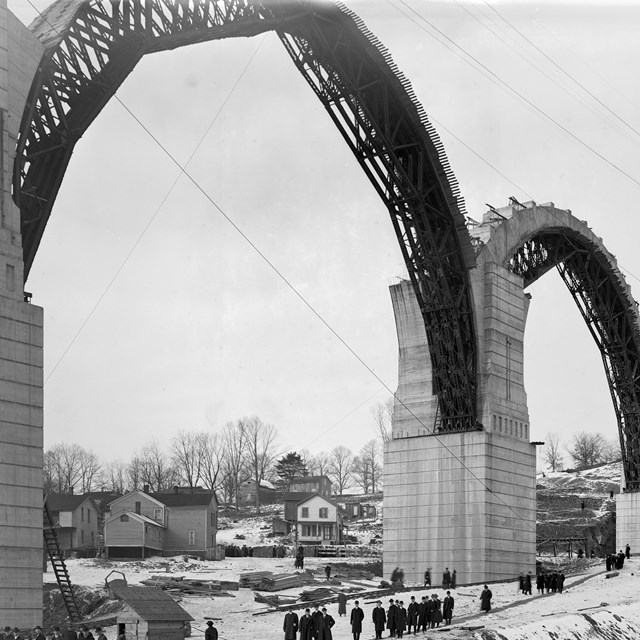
column 467, row 500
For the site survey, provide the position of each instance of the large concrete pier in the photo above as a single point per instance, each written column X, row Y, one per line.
column 21, row 334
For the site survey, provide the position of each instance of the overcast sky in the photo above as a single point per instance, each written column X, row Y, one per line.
column 196, row 330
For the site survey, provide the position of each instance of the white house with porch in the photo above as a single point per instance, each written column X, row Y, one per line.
column 318, row 521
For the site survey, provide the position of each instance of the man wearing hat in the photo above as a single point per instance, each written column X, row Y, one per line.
column 379, row 618
column 16, row 634
column 325, row 628
column 100, row 634
column 7, row 634
column 306, row 626
column 37, row 633
column 211, row 633
column 391, row 618
column 357, row 616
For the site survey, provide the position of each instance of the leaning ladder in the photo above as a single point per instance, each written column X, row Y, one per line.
column 59, row 567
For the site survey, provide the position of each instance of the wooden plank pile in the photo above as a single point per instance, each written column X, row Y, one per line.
column 253, row 579
column 180, row 584
column 274, row 600
column 282, row 581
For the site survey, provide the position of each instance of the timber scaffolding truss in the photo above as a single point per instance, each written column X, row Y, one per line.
column 92, row 46
column 611, row 316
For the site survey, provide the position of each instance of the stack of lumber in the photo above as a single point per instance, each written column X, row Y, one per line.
column 282, row 581
column 253, row 579
column 184, row 585
column 274, row 600
column 310, row 595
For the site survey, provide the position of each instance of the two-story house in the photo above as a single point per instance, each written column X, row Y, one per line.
column 143, row 524
column 311, row 484
column 75, row 519
column 318, row 521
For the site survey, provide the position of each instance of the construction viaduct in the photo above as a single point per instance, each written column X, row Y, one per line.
column 77, row 54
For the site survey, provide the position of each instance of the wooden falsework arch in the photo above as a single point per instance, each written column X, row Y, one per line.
column 533, row 242
column 91, row 46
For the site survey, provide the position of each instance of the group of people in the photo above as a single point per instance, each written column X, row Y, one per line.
column 616, row 560
column 551, row 582
column 448, row 579
column 37, row 634
column 418, row 616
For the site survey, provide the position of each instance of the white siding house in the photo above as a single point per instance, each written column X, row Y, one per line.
column 319, row 521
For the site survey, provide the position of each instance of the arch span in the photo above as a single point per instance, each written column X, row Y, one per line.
column 91, row 46
column 535, row 240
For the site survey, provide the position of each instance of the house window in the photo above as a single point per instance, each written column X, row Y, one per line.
column 82, row 514
column 305, row 512
column 192, row 538
column 88, row 515
column 124, row 518
column 323, row 512
column 138, row 508
column 328, row 531
column 82, row 535
column 213, row 518
column 157, row 515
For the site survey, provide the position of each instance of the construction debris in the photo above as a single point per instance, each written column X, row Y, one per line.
column 180, row 584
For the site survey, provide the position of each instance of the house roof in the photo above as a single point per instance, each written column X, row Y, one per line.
column 65, row 502
column 317, row 495
column 135, row 516
column 297, row 496
column 299, row 479
column 185, row 499
column 139, row 491
column 150, row 603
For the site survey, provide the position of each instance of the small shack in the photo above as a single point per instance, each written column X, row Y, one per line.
column 149, row 614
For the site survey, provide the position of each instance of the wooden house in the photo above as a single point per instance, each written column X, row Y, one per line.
column 265, row 490
column 75, row 518
column 311, row 484
column 318, row 521
column 143, row 524
column 149, row 614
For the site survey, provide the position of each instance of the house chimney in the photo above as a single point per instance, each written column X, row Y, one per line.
column 145, row 488
column 70, row 490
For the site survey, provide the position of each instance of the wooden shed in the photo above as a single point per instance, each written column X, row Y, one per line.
column 150, row 614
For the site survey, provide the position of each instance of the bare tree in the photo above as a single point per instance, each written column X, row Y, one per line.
column 611, row 451
column 115, row 477
column 382, row 415
column 318, row 464
column 90, row 470
column 551, row 452
column 340, row 467
column 586, row 449
column 135, row 473
column 212, row 456
column 187, row 456
column 370, row 454
column 63, row 467
column 260, row 439
column 234, row 463
column 361, row 473
column 157, row 470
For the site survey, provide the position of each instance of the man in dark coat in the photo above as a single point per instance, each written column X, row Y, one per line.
column 38, row 635
column 211, row 632
column 412, row 616
column 540, row 583
column 379, row 619
column 290, row 625
column 401, row 621
column 454, row 579
column 342, row 604
column 422, row 614
column 627, row 551
column 357, row 616
column 305, row 625
column 561, row 582
column 436, row 612
column 527, row 584
column 607, row 562
column 446, row 579
column 485, row 599
column 316, row 616
column 392, row 618
column 427, row 577
column 447, row 607
column 326, row 622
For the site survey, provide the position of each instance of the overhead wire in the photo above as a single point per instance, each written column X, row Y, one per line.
column 470, row 59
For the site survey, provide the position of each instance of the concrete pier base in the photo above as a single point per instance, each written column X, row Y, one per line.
column 628, row 521
column 463, row 500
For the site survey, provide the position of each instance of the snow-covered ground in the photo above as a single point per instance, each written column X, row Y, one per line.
column 514, row 616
